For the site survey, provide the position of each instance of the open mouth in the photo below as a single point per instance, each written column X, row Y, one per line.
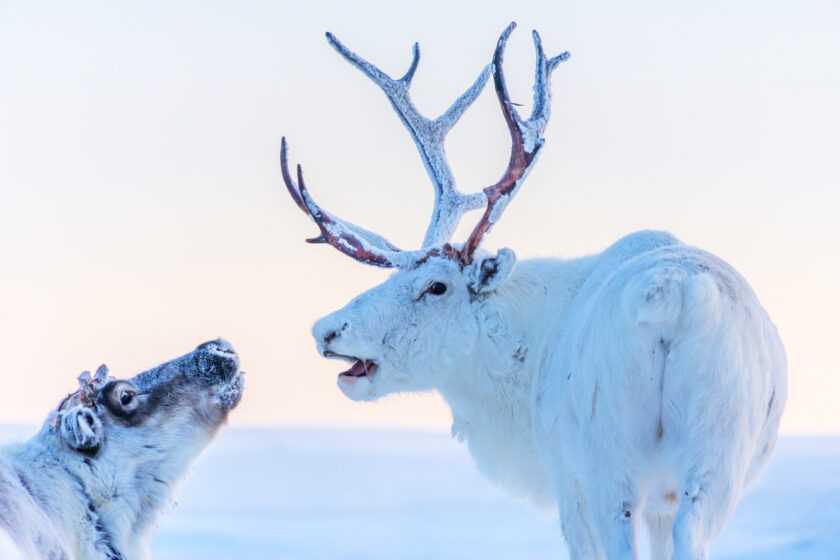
column 361, row 368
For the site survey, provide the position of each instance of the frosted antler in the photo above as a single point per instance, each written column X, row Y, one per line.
column 429, row 135
column 89, row 387
column 526, row 136
column 352, row 240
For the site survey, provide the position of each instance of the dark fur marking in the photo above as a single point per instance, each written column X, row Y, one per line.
column 489, row 268
column 89, row 453
column 152, row 401
column 769, row 410
column 25, row 484
column 105, row 540
column 103, row 537
column 660, row 430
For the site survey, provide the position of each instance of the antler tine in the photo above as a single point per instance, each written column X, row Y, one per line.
column 542, row 94
column 352, row 240
column 526, row 138
column 429, row 135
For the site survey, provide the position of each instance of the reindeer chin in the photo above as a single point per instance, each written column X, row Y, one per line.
column 358, row 387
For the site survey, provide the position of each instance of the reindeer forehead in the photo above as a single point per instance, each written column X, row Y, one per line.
column 435, row 268
column 437, row 265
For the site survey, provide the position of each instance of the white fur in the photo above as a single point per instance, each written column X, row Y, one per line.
column 643, row 382
column 8, row 549
column 60, row 503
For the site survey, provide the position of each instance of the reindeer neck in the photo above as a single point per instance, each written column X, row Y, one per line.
column 491, row 399
column 57, row 485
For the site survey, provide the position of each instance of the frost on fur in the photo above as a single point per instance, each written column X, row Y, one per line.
column 91, row 483
column 644, row 383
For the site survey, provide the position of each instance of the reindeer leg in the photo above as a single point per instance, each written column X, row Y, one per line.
column 659, row 530
column 576, row 522
column 615, row 512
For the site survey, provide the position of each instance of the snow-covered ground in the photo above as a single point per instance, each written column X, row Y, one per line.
column 376, row 494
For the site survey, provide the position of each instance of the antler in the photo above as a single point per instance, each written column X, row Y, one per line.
column 429, row 135
column 352, row 240
column 526, row 136
column 88, row 388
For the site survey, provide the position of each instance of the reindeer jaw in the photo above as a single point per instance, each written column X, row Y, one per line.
column 357, row 382
column 361, row 368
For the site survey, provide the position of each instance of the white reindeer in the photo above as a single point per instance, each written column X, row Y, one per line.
column 91, row 483
column 642, row 382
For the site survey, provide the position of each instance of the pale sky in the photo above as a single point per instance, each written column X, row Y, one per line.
column 142, row 210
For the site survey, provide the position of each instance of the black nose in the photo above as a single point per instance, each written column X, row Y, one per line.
column 215, row 361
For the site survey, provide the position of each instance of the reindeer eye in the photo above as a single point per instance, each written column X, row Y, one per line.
column 437, row 288
column 126, row 396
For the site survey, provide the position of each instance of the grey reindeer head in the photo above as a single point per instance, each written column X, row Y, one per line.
column 195, row 392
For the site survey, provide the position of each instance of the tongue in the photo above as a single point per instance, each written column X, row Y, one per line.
column 360, row 368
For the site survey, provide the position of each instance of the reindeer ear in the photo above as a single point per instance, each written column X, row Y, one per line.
column 487, row 272
column 81, row 428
